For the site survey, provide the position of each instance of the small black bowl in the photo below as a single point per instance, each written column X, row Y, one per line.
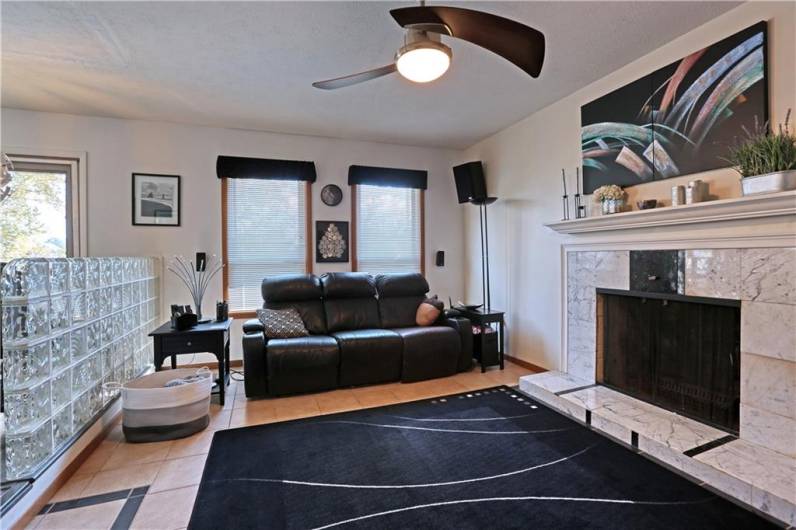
column 647, row 204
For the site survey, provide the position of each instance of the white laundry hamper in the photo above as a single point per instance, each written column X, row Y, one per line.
column 152, row 412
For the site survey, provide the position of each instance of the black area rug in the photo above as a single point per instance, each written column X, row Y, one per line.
column 488, row 459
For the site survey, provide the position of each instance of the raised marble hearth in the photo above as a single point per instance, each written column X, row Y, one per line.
column 757, row 466
column 753, row 475
column 763, row 279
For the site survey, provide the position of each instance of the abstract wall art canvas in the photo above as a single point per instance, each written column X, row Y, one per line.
column 679, row 119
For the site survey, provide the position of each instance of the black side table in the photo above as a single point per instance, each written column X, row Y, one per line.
column 483, row 352
column 212, row 337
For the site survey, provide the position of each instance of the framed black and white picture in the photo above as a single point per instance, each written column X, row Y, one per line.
column 331, row 241
column 156, row 200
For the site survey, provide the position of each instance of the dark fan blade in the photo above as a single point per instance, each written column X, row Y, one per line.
column 348, row 80
column 511, row 40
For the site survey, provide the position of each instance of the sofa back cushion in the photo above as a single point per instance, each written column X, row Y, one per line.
column 349, row 299
column 302, row 292
column 399, row 297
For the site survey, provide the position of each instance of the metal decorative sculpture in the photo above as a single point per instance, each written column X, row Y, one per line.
column 196, row 276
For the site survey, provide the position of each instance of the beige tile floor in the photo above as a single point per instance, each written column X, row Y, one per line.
column 173, row 469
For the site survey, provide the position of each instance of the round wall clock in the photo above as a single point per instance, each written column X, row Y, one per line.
column 331, row 195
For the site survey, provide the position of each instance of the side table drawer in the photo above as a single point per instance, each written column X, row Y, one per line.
column 188, row 344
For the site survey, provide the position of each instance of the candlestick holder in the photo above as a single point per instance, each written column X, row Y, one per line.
column 580, row 209
column 565, row 199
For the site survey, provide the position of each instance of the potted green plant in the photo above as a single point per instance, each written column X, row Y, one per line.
column 611, row 198
column 766, row 160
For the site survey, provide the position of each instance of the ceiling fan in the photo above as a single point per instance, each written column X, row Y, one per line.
column 424, row 57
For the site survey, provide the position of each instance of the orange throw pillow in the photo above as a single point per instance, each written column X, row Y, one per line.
column 428, row 311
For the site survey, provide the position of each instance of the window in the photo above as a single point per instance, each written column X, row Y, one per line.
column 265, row 232
column 38, row 217
column 388, row 225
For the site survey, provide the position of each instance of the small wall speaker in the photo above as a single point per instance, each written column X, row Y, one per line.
column 470, row 183
column 440, row 259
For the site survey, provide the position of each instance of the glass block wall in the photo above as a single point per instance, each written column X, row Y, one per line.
column 68, row 326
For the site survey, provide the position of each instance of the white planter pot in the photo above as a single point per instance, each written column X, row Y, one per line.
column 769, row 183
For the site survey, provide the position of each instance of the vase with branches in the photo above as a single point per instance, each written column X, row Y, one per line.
column 196, row 276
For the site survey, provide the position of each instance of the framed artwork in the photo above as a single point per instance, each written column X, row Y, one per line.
column 680, row 119
column 331, row 241
column 156, row 200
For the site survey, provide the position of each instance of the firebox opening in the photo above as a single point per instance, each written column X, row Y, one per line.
column 681, row 353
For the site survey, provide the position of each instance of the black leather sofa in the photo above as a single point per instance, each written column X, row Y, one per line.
column 362, row 332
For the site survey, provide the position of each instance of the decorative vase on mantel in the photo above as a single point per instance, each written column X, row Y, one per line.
column 611, row 198
column 609, row 206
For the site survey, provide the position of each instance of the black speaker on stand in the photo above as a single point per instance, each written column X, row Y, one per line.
column 470, row 182
column 471, row 187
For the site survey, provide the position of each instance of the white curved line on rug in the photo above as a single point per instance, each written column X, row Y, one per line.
column 458, row 431
column 500, row 418
column 496, row 499
column 405, row 486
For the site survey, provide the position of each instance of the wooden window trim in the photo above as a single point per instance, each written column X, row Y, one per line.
column 308, row 228
column 224, row 249
column 423, row 232
column 353, row 244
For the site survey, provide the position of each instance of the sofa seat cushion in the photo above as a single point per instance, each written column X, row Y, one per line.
column 369, row 356
column 302, row 364
column 429, row 352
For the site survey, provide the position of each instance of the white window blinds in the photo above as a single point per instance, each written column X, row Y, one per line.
column 388, row 229
column 266, row 235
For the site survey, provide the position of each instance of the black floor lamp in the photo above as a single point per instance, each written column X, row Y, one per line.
column 482, row 204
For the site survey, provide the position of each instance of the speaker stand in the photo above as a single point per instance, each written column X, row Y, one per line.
column 484, row 226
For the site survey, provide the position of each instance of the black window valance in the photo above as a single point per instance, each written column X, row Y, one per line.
column 388, row 176
column 239, row 167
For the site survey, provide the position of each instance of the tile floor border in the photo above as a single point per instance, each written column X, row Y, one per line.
column 132, row 497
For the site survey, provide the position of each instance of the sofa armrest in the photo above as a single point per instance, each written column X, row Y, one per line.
column 253, row 325
column 255, row 373
column 465, row 330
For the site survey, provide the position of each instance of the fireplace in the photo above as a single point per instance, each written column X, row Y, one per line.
column 679, row 352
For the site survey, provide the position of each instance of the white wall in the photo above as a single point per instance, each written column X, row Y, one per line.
column 523, row 167
column 117, row 148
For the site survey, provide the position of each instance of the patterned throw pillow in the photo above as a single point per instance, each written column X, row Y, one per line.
column 282, row 323
column 428, row 311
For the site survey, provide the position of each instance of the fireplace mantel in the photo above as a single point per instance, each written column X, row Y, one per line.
column 752, row 207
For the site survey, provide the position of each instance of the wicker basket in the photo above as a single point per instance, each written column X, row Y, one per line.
column 152, row 412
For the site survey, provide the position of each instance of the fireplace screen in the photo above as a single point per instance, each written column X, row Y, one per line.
column 679, row 352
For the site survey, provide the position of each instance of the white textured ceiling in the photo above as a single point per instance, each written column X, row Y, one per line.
column 250, row 65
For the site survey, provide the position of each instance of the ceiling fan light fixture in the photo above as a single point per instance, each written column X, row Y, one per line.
column 423, row 61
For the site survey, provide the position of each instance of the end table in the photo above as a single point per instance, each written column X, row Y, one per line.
column 483, row 318
column 212, row 337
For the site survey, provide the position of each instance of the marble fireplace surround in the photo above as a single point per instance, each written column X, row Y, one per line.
column 758, row 468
